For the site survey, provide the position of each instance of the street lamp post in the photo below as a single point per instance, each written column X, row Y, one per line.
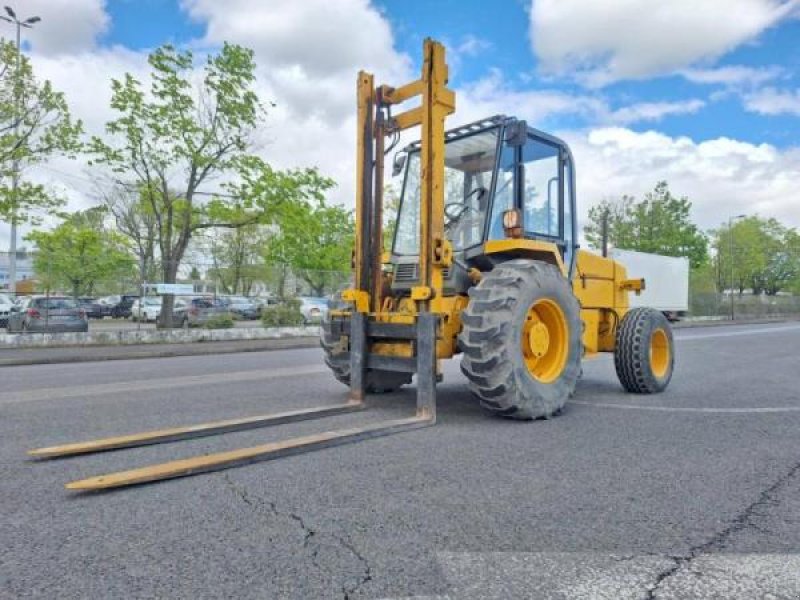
column 730, row 254
column 12, row 248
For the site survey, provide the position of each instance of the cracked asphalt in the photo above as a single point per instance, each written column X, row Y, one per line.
column 694, row 493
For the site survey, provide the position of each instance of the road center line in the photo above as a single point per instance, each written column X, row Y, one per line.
column 159, row 383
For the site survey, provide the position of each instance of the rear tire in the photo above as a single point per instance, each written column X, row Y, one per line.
column 337, row 357
column 644, row 356
column 521, row 339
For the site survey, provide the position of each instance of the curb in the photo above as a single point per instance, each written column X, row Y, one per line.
column 65, row 355
column 691, row 324
column 10, row 341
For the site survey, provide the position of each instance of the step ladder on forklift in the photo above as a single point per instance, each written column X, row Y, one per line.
column 374, row 125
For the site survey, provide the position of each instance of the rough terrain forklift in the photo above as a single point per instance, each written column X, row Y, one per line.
column 484, row 262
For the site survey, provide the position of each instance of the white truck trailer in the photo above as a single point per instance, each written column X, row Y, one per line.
column 666, row 280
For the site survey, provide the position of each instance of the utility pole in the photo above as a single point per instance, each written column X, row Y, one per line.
column 12, row 248
column 730, row 254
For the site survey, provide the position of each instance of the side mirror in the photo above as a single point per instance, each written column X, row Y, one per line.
column 516, row 133
column 14, row 309
column 398, row 163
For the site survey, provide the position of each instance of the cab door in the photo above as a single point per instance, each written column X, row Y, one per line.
column 546, row 194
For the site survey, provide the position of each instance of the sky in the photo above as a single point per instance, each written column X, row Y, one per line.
column 704, row 94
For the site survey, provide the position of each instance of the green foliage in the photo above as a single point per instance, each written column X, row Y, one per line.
column 35, row 124
column 703, row 279
column 192, row 126
column 79, row 254
column 765, row 255
column 315, row 239
column 660, row 224
column 219, row 322
column 236, row 255
column 285, row 314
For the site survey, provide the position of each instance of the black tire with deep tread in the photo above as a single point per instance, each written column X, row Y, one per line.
column 632, row 352
column 337, row 358
column 490, row 338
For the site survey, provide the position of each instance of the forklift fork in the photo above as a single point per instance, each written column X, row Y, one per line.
column 425, row 415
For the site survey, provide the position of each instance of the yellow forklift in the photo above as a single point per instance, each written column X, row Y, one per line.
column 484, row 262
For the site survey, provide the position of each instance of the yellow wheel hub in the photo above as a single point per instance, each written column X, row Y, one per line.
column 659, row 353
column 545, row 340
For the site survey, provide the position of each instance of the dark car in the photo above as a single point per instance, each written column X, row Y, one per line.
column 92, row 308
column 121, row 309
column 47, row 314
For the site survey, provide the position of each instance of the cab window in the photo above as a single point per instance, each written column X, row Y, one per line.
column 540, row 192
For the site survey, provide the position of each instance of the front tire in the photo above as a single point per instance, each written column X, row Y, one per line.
column 337, row 357
column 644, row 356
column 521, row 339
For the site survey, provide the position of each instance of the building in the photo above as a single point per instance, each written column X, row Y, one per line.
column 24, row 268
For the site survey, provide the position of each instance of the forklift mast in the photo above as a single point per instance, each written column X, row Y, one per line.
column 375, row 124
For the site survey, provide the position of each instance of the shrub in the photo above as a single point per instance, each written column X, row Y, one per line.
column 285, row 314
column 219, row 322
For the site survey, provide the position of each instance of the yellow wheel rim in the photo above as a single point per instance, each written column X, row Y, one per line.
column 659, row 353
column 545, row 340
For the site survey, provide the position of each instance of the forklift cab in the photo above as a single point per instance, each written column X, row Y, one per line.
column 491, row 167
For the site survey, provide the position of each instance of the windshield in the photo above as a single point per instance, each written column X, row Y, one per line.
column 469, row 165
column 54, row 303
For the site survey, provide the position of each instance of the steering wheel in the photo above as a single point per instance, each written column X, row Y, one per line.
column 455, row 210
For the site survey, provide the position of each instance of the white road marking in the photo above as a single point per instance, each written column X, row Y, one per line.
column 722, row 334
column 158, row 383
column 600, row 576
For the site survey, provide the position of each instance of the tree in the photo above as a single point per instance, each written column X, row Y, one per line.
column 135, row 220
column 80, row 253
column 190, row 129
column 765, row 254
column 660, row 223
column 315, row 240
column 35, row 124
column 237, row 258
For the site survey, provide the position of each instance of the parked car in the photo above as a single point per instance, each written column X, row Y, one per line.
column 149, row 309
column 196, row 312
column 314, row 309
column 45, row 314
column 92, row 308
column 5, row 309
column 240, row 307
column 119, row 306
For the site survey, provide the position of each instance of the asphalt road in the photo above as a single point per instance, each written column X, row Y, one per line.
column 694, row 493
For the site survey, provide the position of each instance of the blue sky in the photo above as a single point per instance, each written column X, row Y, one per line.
column 496, row 35
column 702, row 93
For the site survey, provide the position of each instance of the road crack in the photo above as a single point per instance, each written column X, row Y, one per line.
column 310, row 536
column 742, row 521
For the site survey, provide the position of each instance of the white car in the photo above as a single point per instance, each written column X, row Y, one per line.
column 314, row 309
column 5, row 309
column 150, row 308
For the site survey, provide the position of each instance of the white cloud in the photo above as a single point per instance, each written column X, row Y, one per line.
column 721, row 176
column 733, row 75
column 67, row 25
column 490, row 95
column 655, row 111
column 604, row 41
column 771, row 101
